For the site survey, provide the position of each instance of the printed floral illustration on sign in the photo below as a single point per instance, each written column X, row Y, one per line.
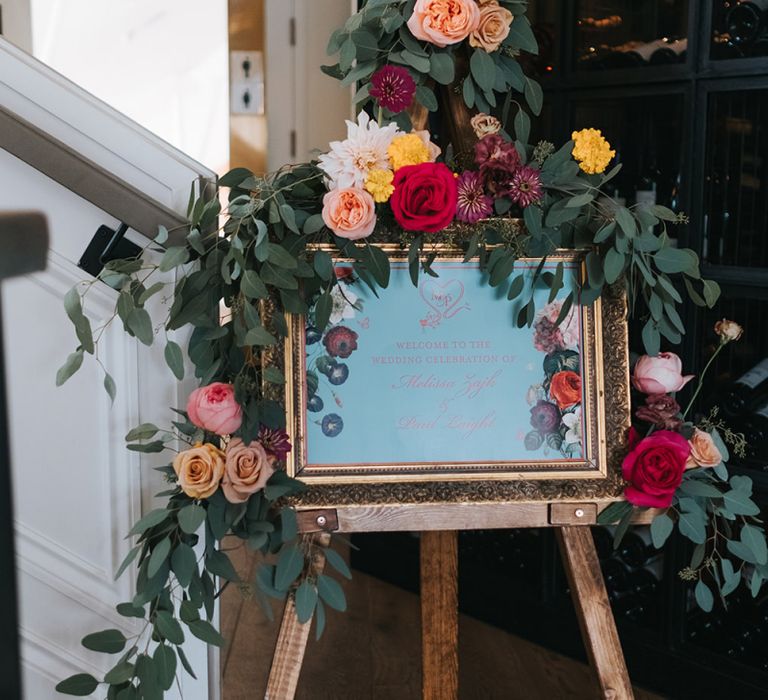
column 444, row 299
column 326, row 352
column 556, row 417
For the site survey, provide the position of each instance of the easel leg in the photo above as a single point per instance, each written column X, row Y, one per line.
column 598, row 628
column 439, row 615
column 291, row 642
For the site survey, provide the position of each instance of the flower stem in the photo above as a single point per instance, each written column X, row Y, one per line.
column 381, row 116
column 701, row 377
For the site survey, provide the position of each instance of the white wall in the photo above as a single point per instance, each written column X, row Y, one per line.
column 17, row 25
column 163, row 64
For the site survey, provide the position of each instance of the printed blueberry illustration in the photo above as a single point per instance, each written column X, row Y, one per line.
column 332, row 425
column 315, row 404
column 338, row 373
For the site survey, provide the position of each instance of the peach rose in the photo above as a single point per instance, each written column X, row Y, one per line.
column 728, row 330
column 349, row 212
column 493, row 27
column 246, row 470
column 213, row 408
column 444, row 22
column 659, row 375
column 704, row 452
column 484, row 124
column 199, row 470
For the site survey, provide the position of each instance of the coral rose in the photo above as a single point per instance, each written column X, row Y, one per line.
column 444, row 22
column 349, row 212
column 704, row 452
column 493, row 27
column 654, row 469
column 247, row 469
column 214, row 408
column 425, row 197
column 566, row 389
column 199, row 470
column 659, row 375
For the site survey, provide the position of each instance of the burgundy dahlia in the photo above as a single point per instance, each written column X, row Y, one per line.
column 525, row 186
column 340, row 341
column 473, row 203
column 661, row 410
column 545, row 417
column 393, row 87
column 498, row 160
column 275, row 441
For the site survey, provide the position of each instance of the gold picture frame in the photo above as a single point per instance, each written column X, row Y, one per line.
column 595, row 475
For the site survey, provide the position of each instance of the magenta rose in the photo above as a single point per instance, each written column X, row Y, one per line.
column 659, row 375
column 213, row 408
column 654, row 468
column 340, row 341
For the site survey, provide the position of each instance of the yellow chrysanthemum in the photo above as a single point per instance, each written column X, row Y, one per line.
column 408, row 149
column 592, row 150
column 379, row 184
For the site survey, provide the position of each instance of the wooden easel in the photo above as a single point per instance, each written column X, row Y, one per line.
column 439, row 525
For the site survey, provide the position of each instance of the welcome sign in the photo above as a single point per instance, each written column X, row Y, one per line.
column 437, row 381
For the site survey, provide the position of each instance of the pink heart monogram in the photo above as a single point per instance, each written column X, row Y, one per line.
column 444, row 298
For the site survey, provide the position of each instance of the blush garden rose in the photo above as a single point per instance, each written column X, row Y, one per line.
column 214, row 408
column 444, row 22
column 661, row 374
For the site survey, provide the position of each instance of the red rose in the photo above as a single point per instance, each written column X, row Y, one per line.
column 340, row 341
column 425, row 197
column 654, row 468
column 566, row 389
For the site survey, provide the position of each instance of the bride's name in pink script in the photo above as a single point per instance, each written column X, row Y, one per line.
column 466, row 426
column 469, row 388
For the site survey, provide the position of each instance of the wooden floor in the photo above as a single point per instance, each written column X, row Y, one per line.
column 373, row 651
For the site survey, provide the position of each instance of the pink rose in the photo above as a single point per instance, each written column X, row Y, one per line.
column 213, row 408
column 247, row 469
column 659, row 375
column 444, row 22
column 349, row 212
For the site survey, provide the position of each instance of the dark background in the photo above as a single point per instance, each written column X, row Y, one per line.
column 680, row 89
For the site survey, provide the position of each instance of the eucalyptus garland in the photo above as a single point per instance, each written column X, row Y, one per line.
column 500, row 199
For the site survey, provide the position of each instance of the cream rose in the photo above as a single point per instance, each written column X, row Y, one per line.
column 199, row 470
column 493, row 28
column 484, row 124
column 349, row 212
column 704, row 452
column 247, row 469
column 444, row 22
column 728, row 330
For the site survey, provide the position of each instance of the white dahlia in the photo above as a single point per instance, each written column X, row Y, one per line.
column 365, row 149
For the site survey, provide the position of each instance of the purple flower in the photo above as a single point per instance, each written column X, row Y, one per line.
column 473, row 203
column 315, row 404
column 393, row 87
column 338, row 373
column 545, row 417
column 275, row 441
column 525, row 186
column 498, row 160
column 332, row 424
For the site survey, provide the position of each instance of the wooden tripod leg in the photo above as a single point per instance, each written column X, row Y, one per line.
column 440, row 615
column 598, row 627
column 292, row 641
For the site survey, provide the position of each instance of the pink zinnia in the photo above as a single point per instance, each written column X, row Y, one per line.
column 274, row 441
column 473, row 203
column 393, row 87
column 525, row 186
